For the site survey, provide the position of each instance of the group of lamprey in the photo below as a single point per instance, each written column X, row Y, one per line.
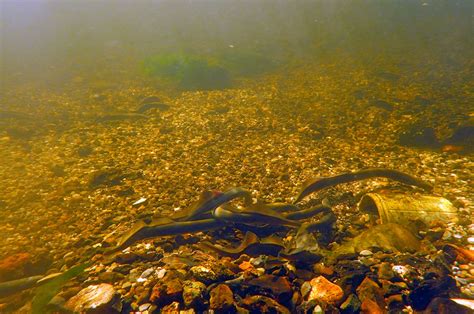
column 214, row 210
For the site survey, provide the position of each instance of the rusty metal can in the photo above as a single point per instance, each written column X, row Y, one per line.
column 405, row 208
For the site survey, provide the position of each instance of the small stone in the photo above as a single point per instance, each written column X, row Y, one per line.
column 369, row 290
column 445, row 305
column 464, row 267
column 110, row 276
column 325, row 291
column 94, row 299
column 279, row 287
column 321, row 269
column 171, row 308
column 385, row 271
column 262, row 304
column 350, row 305
column 193, row 292
column 366, row 253
column 395, row 303
column 222, row 299
column 305, row 289
column 166, row 292
column 161, row 273
column 370, row 307
column 147, row 273
column 144, row 307
column 203, row 274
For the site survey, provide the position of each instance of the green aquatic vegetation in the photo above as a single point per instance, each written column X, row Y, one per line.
column 188, row 72
column 46, row 292
column 194, row 72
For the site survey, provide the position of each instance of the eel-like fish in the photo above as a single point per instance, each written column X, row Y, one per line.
column 278, row 207
column 220, row 199
column 253, row 217
column 307, row 213
column 322, row 183
column 322, row 225
column 152, row 105
column 250, row 245
column 163, row 227
column 14, row 286
column 204, row 197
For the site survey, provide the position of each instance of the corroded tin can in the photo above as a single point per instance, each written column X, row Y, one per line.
column 405, row 208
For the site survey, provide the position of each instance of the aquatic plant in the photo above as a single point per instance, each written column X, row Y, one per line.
column 190, row 72
column 46, row 292
column 193, row 72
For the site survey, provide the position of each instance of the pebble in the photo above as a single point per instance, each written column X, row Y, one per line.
column 147, row 273
column 144, row 307
column 325, row 291
column 366, row 253
column 94, row 298
column 221, row 299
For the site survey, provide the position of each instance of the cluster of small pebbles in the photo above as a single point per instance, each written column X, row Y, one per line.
column 93, row 166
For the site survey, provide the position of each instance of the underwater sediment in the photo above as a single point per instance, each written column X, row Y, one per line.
column 78, row 176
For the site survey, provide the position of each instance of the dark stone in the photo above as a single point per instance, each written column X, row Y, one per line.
column 387, row 76
column 359, row 94
column 446, row 306
column 20, row 132
column 262, row 304
column 279, row 287
column 382, row 104
column 395, row 303
column 350, row 305
column 58, row 170
column 463, row 135
column 419, row 136
column 427, row 290
column 84, row 151
column 422, row 101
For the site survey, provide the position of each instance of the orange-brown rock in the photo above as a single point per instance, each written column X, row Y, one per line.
column 370, row 307
column 368, row 289
column 165, row 292
column 325, row 291
column 13, row 267
column 222, row 299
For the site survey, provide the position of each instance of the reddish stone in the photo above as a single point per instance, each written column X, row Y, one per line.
column 321, row 269
column 368, row 289
column 222, row 299
column 14, row 266
column 280, row 287
column 166, row 292
column 325, row 291
column 245, row 265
